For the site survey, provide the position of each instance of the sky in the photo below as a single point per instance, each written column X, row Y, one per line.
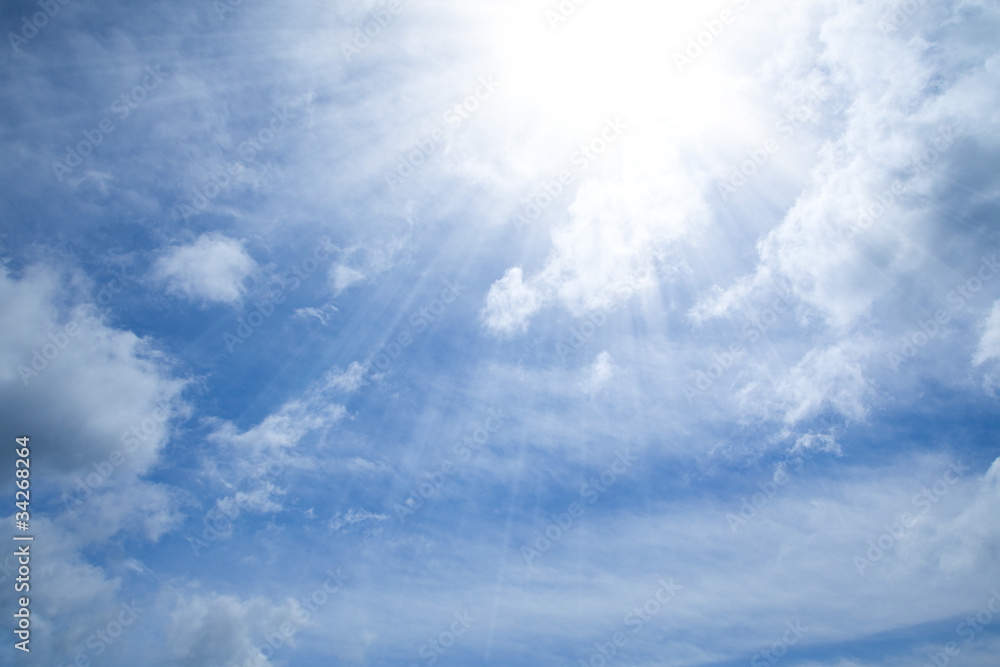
column 506, row 332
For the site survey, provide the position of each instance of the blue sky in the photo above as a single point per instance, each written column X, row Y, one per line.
column 510, row 333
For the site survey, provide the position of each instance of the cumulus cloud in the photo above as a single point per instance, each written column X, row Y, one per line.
column 76, row 598
column 622, row 235
column 54, row 354
column 213, row 269
column 864, row 210
column 99, row 404
column 225, row 630
column 510, row 303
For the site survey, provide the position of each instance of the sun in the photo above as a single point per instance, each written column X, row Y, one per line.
column 573, row 69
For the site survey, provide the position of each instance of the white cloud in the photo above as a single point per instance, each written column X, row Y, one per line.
column 826, row 378
column 261, row 498
column 245, row 458
column 717, row 302
column 365, row 260
column 796, row 552
column 889, row 93
column 213, row 268
column 600, row 373
column 322, row 314
column 137, row 508
column 510, row 303
column 76, row 594
column 358, row 465
column 227, row 631
column 989, row 344
column 342, row 277
column 280, row 431
column 53, row 358
column 888, row 130
column 354, row 516
column 350, row 380
column 816, row 442
column 98, row 404
column 621, row 231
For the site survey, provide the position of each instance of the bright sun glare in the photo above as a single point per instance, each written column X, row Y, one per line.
column 608, row 58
